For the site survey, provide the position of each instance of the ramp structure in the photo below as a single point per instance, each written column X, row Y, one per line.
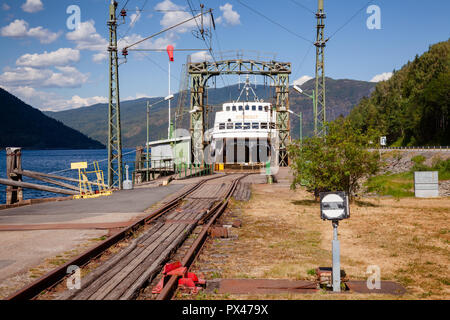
column 201, row 72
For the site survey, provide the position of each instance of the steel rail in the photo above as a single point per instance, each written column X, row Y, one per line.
column 54, row 277
column 189, row 258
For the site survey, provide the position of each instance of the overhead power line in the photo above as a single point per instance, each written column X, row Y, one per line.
column 208, row 46
column 302, row 6
column 303, row 61
column 134, row 21
column 124, row 6
column 349, row 20
column 275, row 22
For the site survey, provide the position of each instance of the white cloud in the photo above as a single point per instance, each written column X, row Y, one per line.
column 60, row 57
column 87, row 38
column 137, row 96
column 78, row 102
column 99, row 57
column 44, row 35
column 24, row 76
column 48, row 101
column 67, row 77
column 201, row 56
column 382, row 77
column 19, row 29
column 302, row 80
column 171, row 18
column 229, row 16
column 32, row 6
column 5, row 7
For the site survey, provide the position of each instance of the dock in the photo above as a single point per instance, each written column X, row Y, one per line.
column 33, row 234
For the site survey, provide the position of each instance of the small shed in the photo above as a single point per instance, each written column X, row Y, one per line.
column 170, row 151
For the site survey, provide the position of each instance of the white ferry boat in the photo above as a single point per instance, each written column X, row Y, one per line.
column 245, row 132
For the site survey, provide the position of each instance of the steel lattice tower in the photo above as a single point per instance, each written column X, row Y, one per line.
column 114, row 128
column 200, row 72
column 320, row 112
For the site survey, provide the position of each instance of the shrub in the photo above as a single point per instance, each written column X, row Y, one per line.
column 335, row 162
column 418, row 159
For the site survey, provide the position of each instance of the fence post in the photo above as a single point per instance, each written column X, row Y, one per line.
column 13, row 162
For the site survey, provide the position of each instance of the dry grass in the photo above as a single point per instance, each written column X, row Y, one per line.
column 283, row 237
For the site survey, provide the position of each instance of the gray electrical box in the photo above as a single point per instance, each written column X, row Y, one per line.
column 426, row 184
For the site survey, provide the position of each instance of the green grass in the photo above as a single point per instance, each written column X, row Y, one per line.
column 401, row 185
column 311, row 272
column 397, row 185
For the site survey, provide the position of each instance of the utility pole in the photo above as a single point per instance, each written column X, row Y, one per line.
column 114, row 128
column 147, row 158
column 320, row 113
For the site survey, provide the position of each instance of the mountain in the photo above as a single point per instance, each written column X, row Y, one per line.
column 342, row 96
column 412, row 108
column 23, row 126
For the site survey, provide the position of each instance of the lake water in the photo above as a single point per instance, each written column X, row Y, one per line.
column 55, row 161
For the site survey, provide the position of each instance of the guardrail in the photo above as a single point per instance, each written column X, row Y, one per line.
column 426, row 148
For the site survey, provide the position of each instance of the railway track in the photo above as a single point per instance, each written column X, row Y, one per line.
column 124, row 274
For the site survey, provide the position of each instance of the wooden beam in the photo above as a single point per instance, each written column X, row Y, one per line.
column 28, row 172
column 48, row 180
column 25, row 172
column 12, row 183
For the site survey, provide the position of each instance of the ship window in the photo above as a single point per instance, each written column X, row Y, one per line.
column 221, row 126
column 240, row 108
column 247, row 107
column 230, row 125
column 260, row 108
column 272, row 125
column 253, row 108
column 246, row 125
column 255, row 125
column 228, row 109
column 263, row 125
column 238, row 125
column 265, row 108
column 234, row 108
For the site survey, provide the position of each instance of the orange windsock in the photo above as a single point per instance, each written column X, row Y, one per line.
column 170, row 52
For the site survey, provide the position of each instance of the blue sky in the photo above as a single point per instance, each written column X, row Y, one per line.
column 54, row 68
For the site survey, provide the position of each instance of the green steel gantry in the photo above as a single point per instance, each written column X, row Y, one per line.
column 320, row 111
column 114, row 129
column 201, row 72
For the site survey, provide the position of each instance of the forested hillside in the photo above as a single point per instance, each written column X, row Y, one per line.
column 342, row 95
column 23, row 126
column 412, row 107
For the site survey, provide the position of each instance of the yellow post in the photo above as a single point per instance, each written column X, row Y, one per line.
column 79, row 166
